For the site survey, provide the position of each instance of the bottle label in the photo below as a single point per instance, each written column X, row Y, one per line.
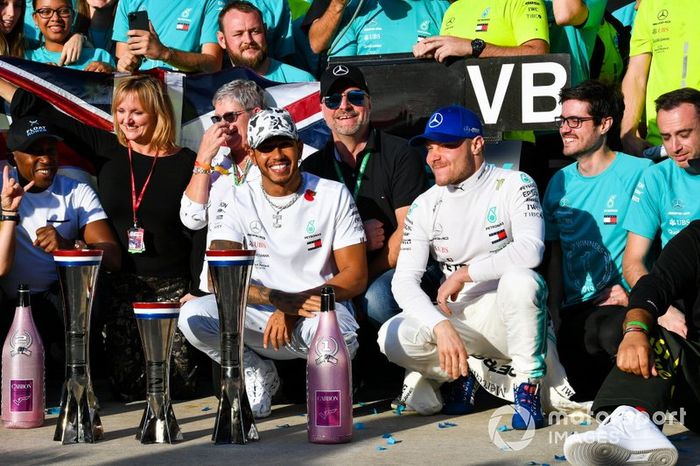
column 21, row 395
column 20, row 343
column 327, row 408
column 326, row 349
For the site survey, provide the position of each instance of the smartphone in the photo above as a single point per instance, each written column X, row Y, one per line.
column 138, row 20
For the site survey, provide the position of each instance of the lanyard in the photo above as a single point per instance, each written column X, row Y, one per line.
column 360, row 173
column 136, row 202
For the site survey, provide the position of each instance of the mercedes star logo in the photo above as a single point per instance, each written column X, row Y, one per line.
column 435, row 120
column 663, row 14
column 340, row 70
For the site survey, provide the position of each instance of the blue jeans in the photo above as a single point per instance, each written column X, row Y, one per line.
column 378, row 302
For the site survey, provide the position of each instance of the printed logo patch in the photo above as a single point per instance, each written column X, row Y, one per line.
column 315, row 244
column 498, row 236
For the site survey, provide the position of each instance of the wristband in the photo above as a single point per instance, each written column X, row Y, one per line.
column 200, row 171
column 205, row 166
column 637, row 323
column 634, row 330
column 9, row 218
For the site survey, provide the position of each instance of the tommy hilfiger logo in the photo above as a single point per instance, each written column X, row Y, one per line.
column 497, row 236
column 314, row 244
column 610, row 219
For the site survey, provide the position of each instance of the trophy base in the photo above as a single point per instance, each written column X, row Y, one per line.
column 159, row 425
column 78, row 422
column 234, row 418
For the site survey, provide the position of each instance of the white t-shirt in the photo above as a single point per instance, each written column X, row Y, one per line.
column 68, row 205
column 490, row 222
column 298, row 255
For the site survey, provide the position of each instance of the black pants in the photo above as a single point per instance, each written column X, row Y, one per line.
column 676, row 388
column 127, row 367
column 587, row 341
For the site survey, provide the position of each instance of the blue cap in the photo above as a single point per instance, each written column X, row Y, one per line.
column 450, row 124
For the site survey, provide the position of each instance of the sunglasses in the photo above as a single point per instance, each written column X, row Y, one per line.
column 228, row 117
column 355, row 97
column 268, row 146
column 47, row 13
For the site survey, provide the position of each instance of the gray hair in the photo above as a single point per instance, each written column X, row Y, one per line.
column 248, row 94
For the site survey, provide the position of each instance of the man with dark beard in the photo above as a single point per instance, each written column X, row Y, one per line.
column 242, row 35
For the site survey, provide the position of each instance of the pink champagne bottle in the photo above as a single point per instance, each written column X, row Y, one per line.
column 23, row 369
column 329, row 379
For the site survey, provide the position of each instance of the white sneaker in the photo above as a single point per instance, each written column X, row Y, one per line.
column 419, row 394
column 261, row 382
column 627, row 436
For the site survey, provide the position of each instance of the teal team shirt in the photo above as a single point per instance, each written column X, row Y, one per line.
column 283, row 73
column 87, row 56
column 585, row 214
column 577, row 41
column 390, row 26
column 181, row 24
column 666, row 198
column 278, row 20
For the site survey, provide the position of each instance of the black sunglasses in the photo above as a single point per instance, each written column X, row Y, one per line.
column 228, row 117
column 355, row 97
column 268, row 146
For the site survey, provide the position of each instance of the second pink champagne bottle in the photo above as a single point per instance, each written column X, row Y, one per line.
column 329, row 379
column 23, row 369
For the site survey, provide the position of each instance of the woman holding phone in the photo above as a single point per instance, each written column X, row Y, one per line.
column 141, row 175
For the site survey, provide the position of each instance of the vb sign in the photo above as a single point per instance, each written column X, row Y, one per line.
column 516, row 93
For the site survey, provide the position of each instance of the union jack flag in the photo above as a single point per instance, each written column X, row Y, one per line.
column 87, row 97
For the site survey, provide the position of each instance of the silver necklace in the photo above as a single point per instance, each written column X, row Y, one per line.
column 277, row 216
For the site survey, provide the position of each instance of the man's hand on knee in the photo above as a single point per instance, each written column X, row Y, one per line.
column 279, row 329
column 635, row 355
column 451, row 350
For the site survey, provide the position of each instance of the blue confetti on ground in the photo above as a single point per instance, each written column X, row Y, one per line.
column 391, row 441
column 361, row 403
column 504, row 428
column 560, row 457
column 359, row 426
column 380, row 448
column 206, row 408
column 283, row 426
column 584, row 423
column 445, row 425
column 387, row 435
column 374, row 411
column 399, row 409
column 54, row 410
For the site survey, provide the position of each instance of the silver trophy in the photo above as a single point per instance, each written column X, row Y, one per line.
column 157, row 323
column 78, row 421
column 230, row 271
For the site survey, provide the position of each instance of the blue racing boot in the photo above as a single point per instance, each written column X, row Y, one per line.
column 458, row 395
column 528, row 409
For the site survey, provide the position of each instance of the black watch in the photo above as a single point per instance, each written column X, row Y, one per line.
column 478, row 46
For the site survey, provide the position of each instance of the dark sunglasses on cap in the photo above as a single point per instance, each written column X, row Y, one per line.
column 272, row 144
column 228, row 117
column 355, row 97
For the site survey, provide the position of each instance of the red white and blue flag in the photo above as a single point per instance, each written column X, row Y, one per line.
column 87, row 97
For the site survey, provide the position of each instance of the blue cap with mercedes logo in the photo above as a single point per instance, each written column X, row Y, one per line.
column 450, row 124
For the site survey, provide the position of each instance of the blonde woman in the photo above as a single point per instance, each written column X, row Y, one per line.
column 141, row 175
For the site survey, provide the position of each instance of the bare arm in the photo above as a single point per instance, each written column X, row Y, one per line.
column 634, row 89
column 570, row 12
column 323, row 29
column 442, row 47
column 99, row 235
column 7, row 90
column 389, row 254
column 633, row 267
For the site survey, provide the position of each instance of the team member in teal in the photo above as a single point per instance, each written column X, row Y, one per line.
column 573, row 27
column 665, row 200
column 183, row 36
column 584, row 206
column 390, row 26
column 242, row 35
